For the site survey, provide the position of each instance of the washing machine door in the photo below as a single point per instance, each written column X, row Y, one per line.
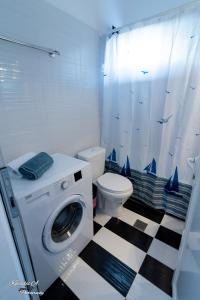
column 64, row 224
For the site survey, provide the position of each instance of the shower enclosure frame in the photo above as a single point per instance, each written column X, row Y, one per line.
column 16, row 228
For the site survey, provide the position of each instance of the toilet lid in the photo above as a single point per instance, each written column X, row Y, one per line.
column 114, row 183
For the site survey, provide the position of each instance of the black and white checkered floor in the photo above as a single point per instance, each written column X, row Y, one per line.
column 122, row 261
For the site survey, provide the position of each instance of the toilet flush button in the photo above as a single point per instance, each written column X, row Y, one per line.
column 64, row 185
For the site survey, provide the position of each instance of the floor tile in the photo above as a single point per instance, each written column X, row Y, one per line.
column 59, row 290
column 158, row 273
column 127, row 215
column 101, row 218
column 97, row 227
column 119, row 275
column 144, row 210
column 130, row 218
column 143, row 289
column 88, row 284
column 173, row 224
column 151, row 228
column 164, row 253
column 169, row 237
column 130, row 234
column 120, row 248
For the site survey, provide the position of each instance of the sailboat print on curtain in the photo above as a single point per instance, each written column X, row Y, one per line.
column 112, row 160
column 172, row 186
column 151, row 168
column 126, row 170
column 112, row 156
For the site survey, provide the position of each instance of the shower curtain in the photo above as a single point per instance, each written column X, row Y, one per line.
column 151, row 107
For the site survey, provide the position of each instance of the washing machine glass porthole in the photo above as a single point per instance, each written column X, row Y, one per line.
column 66, row 222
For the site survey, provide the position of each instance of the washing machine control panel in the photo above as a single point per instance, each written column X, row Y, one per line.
column 77, row 176
column 64, row 184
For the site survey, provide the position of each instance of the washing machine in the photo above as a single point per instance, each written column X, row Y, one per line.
column 56, row 212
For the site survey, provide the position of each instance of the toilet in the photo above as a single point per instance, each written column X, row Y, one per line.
column 112, row 189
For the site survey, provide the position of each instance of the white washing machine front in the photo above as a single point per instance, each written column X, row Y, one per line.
column 57, row 215
column 64, row 224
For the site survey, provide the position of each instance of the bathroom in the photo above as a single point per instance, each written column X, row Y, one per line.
column 110, row 86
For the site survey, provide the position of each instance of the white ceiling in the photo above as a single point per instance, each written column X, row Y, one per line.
column 102, row 14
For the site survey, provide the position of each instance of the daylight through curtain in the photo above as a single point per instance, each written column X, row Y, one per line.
column 151, row 107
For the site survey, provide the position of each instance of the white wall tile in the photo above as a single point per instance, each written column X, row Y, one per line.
column 47, row 104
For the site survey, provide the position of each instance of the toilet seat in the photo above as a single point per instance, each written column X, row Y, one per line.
column 114, row 184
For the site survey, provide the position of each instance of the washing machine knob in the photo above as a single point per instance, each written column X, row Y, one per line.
column 64, row 185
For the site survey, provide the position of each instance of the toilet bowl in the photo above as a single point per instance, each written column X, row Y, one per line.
column 112, row 189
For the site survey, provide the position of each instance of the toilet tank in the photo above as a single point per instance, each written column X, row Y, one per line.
column 96, row 156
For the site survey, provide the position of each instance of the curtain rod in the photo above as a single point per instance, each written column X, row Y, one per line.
column 51, row 52
column 161, row 14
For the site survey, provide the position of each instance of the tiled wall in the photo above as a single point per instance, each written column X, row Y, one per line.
column 47, row 104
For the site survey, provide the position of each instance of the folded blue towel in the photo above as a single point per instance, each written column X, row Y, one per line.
column 36, row 166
